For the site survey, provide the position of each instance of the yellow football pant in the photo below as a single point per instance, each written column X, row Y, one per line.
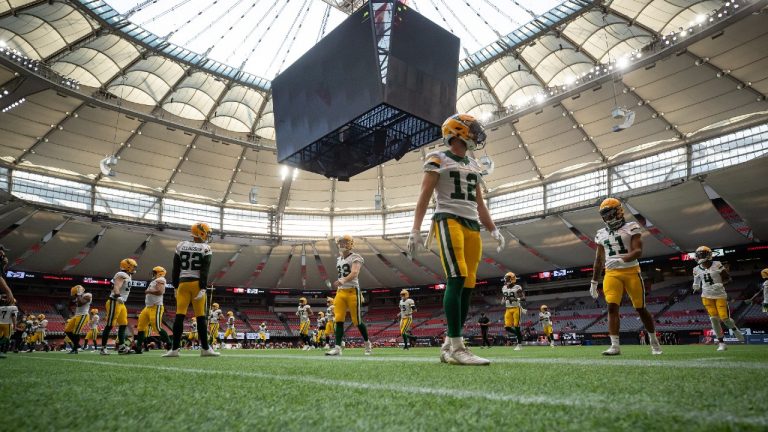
column 213, row 330
column 512, row 317
column 192, row 336
column 329, row 327
column 320, row 335
column 717, row 308
column 348, row 300
column 76, row 324
column 548, row 330
column 230, row 332
column 616, row 281
column 151, row 317
column 185, row 294
column 93, row 333
column 5, row 331
column 405, row 324
column 263, row 336
column 460, row 250
column 304, row 328
column 117, row 313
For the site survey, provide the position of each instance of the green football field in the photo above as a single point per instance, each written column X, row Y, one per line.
column 538, row 388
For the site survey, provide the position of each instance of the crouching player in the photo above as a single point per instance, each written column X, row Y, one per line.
column 75, row 324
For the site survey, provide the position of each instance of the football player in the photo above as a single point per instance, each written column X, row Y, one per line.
column 545, row 318
column 191, row 264
column 93, row 332
column 8, row 313
column 304, row 311
column 40, row 332
column 320, row 334
column 19, row 334
column 117, row 314
column 764, row 274
column 3, row 285
column 192, row 336
column 348, row 295
column 231, row 331
column 620, row 247
column 214, row 317
column 513, row 296
column 80, row 318
column 454, row 179
column 151, row 317
column 31, row 337
column 329, row 321
column 407, row 308
column 710, row 277
column 263, row 334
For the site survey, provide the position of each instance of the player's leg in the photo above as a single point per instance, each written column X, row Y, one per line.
column 509, row 321
column 121, row 318
column 613, row 289
column 143, row 326
column 198, row 306
column 724, row 312
column 159, row 326
column 183, row 299
column 710, row 305
column 451, row 245
column 355, row 306
column 516, row 314
column 339, row 315
column 473, row 249
column 80, row 322
column 633, row 283
column 110, row 320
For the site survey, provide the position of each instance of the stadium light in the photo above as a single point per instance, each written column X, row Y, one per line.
column 284, row 170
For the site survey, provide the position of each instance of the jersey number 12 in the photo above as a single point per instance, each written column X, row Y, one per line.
column 471, row 185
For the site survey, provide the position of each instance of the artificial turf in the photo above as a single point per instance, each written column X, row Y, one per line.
column 539, row 388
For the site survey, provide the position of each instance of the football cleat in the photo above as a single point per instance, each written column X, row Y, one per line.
column 464, row 356
column 171, row 353
column 335, row 351
column 103, row 352
column 368, row 348
column 518, row 347
column 73, row 352
column 305, row 348
column 445, row 352
column 739, row 335
column 656, row 350
column 612, row 351
column 327, row 347
column 124, row 349
column 552, row 344
column 721, row 346
column 209, row 353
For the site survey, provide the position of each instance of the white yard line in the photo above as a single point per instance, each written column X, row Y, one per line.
column 585, row 401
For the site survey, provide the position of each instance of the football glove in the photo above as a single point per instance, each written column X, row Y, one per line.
column 593, row 289
column 414, row 240
column 496, row 234
column 696, row 288
column 200, row 294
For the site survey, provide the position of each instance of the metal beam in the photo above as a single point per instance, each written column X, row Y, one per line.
column 346, row 6
column 70, row 47
column 726, row 73
column 177, row 170
column 14, row 11
column 48, row 135
column 124, row 145
column 631, row 22
column 232, row 180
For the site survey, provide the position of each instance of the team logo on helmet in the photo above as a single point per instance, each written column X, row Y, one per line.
column 466, row 128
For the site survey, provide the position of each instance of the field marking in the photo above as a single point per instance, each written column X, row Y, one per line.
column 697, row 363
column 579, row 401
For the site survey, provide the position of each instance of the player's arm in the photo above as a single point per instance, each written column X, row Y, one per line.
column 696, row 282
column 428, row 184
column 159, row 289
column 176, row 272
column 482, row 210
column 83, row 299
column 7, row 290
column 119, row 281
column 309, row 311
column 725, row 276
column 204, row 270
column 597, row 267
column 635, row 249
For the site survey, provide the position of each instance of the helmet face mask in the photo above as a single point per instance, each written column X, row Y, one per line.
column 302, row 301
column 466, row 128
column 613, row 217
column 510, row 278
column 404, row 294
column 158, row 272
column 703, row 254
column 345, row 243
column 764, row 273
column 128, row 265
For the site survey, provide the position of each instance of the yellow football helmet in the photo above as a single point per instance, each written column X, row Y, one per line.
column 612, row 213
column 158, row 272
column 329, row 300
column 264, row 324
column 345, row 243
column 230, row 313
column 544, row 308
column 466, row 128
column 128, row 265
column 94, row 311
column 76, row 290
column 510, row 278
column 405, row 294
column 215, row 306
column 321, row 314
column 41, row 317
column 764, row 273
column 202, row 231
column 703, row 254
column 303, row 301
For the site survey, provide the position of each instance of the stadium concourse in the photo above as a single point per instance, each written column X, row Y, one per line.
column 139, row 165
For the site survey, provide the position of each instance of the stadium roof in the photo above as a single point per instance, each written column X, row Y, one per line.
column 185, row 127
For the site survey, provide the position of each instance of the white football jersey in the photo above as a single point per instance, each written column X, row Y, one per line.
column 321, row 322
column 42, row 326
column 617, row 243
column 7, row 313
column 152, row 299
column 329, row 313
column 765, row 292
column 191, row 255
column 95, row 321
column 82, row 309
column 512, row 295
column 126, row 288
column 457, row 187
column 303, row 313
column 215, row 315
column 407, row 307
column 231, row 322
column 262, row 329
column 344, row 268
column 194, row 326
column 710, row 280
column 545, row 318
